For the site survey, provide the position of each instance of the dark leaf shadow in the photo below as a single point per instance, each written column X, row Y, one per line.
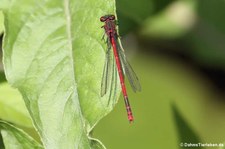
column 187, row 136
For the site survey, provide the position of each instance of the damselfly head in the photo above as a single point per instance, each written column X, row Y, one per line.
column 107, row 17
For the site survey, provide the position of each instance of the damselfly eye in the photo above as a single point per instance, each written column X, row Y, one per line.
column 112, row 17
column 102, row 19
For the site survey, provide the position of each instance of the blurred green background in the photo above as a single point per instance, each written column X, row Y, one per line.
column 177, row 49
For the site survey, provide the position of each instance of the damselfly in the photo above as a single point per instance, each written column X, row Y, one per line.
column 122, row 64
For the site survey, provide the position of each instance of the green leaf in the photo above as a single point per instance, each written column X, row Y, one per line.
column 207, row 38
column 172, row 22
column 222, row 145
column 1, row 23
column 12, row 106
column 54, row 55
column 96, row 144
column 161, row 4
column 135, row 10
column 185, row 131
column 1, row 142
column 2, row 76
column 132, row 13
column 15, row 138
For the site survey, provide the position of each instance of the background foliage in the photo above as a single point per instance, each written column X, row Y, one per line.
column 177, row 49
column 178, row 53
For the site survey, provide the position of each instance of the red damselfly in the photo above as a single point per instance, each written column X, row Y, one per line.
column 123, row 67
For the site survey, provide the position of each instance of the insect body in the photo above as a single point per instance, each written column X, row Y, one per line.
column 123, row 67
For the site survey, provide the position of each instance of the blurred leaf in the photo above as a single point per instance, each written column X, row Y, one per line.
column 207, row 38
column 223, row 146
column 15, row 138
column 125, row 24
column 132, row 13
column 12, row 106
column 1, row 142
column 54, row 55
column 172, row 22
column 212, row 16
column 2, row 76
column 161, row 4
column 1, row 22
column 185, row 132
column 135, row 10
